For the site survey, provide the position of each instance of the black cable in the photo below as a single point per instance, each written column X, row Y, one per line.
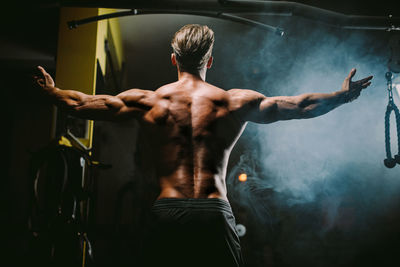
column 387, row 132
column 397, row 114
column 75, row 23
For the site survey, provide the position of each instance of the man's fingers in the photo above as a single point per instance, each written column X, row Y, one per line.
column 44, row 73
column 366, row 79
column 365, row 85
column 351, row 74
column 42, row 70
column 39, row 82
column 46, row 76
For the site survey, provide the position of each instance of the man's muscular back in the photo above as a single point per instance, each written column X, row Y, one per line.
column 191, row 130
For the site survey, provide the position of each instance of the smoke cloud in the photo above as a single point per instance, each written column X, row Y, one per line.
column 311, row 178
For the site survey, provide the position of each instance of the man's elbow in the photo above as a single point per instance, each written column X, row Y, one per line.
column 307, row 107
column 312, row 111
column 308, row 113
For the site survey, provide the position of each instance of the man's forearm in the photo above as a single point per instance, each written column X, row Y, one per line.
column 64, row 98
column 78, row 104
column 317, row 104
column 73, row 102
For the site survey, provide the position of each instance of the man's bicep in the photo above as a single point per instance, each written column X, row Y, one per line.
column 255, row 107
column 251, row 105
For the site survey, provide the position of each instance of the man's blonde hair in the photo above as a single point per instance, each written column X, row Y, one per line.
column 192, row 46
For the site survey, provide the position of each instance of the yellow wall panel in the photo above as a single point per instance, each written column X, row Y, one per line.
column 80, row 48
column 76, row 54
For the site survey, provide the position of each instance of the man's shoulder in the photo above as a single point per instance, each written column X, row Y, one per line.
column 214, row 89
column 166, row 88
column 244, row 93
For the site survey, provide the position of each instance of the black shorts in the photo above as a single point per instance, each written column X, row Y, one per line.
column 192, row 232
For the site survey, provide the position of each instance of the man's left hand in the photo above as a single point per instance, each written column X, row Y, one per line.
column 352, row 89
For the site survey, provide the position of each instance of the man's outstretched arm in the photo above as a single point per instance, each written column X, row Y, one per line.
column 131, row 103
column 252, row 106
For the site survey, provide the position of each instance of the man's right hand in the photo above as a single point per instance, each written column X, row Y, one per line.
column 45, row 81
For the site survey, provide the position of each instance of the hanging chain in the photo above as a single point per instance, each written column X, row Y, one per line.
column 389, row 77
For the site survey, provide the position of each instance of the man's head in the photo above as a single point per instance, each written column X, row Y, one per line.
column 192, row 47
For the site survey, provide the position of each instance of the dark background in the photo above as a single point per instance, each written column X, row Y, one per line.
column 317, row 193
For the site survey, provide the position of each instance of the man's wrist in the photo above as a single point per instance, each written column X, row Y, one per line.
column 342, row 97
column 51, row 90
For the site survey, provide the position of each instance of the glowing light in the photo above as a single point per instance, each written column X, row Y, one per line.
column 243, row 177
column 241, row 229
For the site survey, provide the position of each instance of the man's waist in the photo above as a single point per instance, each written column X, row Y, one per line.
column 192, row 203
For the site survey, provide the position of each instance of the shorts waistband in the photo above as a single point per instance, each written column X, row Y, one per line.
column 192, row 203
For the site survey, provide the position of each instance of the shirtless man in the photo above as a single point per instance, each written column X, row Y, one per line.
column 192, row 128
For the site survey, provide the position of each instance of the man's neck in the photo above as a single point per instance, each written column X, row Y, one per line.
column 183, row 75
